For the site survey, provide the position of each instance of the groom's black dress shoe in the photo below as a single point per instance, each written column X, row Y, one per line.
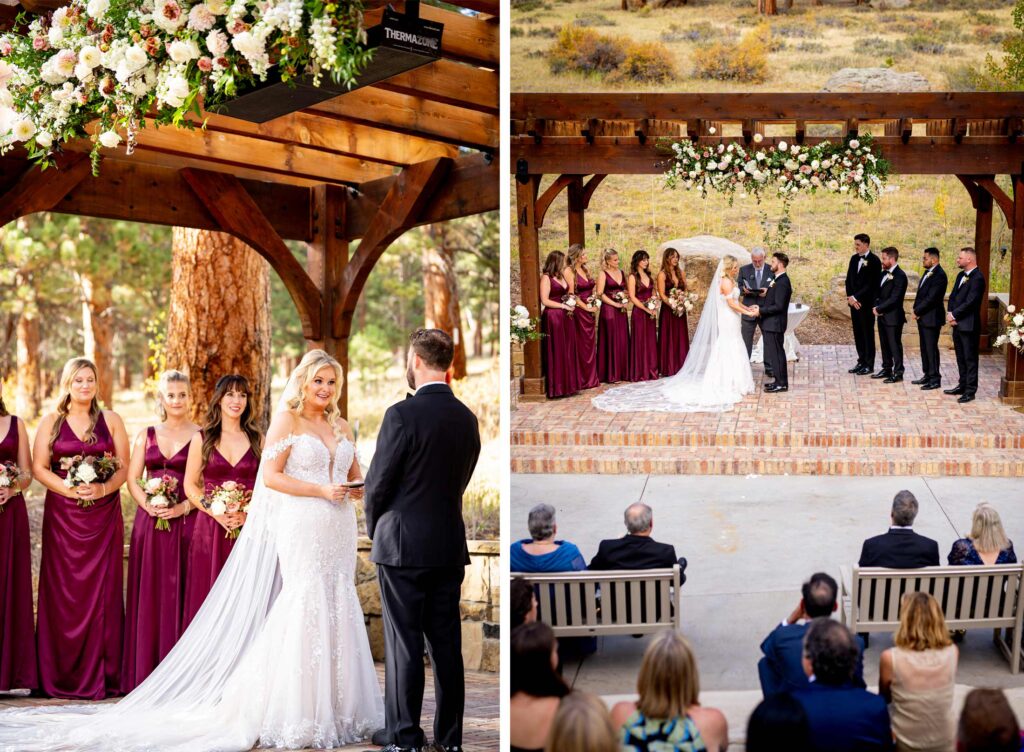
column 775, row 388
column 893, row 380
column 932, row 385
column 918, row 382
column 954, row 390
column 855, row 369
column 966, row 398
column 882, row 375
column 396, row 748
column 381, row 737
column 863, row 371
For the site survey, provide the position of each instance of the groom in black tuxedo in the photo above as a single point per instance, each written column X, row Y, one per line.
column 965, row 302
column 774, row 315
column 930, row 313
column 426, row 452
column 888, row 308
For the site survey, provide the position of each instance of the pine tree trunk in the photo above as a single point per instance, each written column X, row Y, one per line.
column 98, row 334
column 219, row 320
column 441, row 294
column 768, row 7
column 28, row 394
column 125, row 377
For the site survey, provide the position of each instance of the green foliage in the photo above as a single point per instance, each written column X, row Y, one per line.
column 370, row 352
column 746, row 61
column 1010, row 72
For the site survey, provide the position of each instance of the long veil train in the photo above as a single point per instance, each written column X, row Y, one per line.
column 191, row 700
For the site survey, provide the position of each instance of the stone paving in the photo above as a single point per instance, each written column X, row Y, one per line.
column 480, row 725
column 829, row 423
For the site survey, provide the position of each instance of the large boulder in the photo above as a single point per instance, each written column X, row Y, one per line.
column 875, row 79
column 699, row 257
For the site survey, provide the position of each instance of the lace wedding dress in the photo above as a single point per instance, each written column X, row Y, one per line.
column 715, row 376
column 278, row 655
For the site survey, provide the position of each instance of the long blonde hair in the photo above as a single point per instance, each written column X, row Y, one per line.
column 582, row 724
column 67, row 376
column 987, row 532
column 922, row 625
column 573, row 259
column 163, row 383
column 668, row 683
column 295, row 393
column 729, row 262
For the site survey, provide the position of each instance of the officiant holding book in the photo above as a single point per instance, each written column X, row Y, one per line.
column 754, row 279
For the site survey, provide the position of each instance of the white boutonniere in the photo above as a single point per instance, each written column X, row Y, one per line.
column 889, row 277
column 771, row 284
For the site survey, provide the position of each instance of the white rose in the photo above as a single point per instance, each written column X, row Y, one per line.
column 802, row 157
column 1015, row 338
column 83, row 72
column 750, row 167
column 97, row 8
column 1018, row 320
column 783, row 146
column 89, row 55
column 5, row 482
column 712, row 130
column 1011, row 309
column 153, row 484
column 833, row 185
column 791, row 164
column 44, row 140
column 217, row 7
column 55, row 35
column 844, row 188
column 218, row 508
column 217, row 42
column 182, row 52
column 522, row 310
column 815, row 164
column 858, row 178
column 855, row 144
column 6, row 99
column 135, row 58
column 722, row 165
column 159, row 502
column 176, row 91
column 23, row 130
column 200, row 18
column 758, row 138
column 86, row 473
column 69, row 483
column 795, row 150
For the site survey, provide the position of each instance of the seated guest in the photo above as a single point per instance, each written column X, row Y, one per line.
column 637, row 549
column 901, row 547
column 782, row 669
column 843, row 717
column 778, row 722
column 541, row 552
column 917, row 677
column 988, row 543
column 667, row 716
column 987, row 723
column 536, row 689
column 524, row 602
column 582, row 725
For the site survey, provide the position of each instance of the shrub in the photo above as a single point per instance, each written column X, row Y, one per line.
column 646, row 62
column 516, row 31
column 583, row 50
column 546, row 32
column 925, row 43
column 812, row 47
column 877, row 47
column 746, row 61
column 990, row 35
column 593, row 19
column 965, row 77
column 701, row 32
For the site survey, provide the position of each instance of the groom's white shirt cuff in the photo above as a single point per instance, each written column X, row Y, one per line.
column 430, row 383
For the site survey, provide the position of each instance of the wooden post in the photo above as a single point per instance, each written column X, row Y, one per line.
column 529, row 279
column 325, row 263
column 577, row 213
column 1012, row 387
column 983, row 247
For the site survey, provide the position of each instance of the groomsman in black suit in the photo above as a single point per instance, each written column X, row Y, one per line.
column 862, row 279
column 965, row 302
column 774, row 316
column 754, row 279
column 930, row 313
column 892, row 290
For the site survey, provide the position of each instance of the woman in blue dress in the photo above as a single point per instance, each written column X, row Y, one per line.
column 987, row 543
column 541, row 552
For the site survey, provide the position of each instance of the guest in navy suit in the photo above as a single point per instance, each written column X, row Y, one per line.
column 781, row 669
column 901, row 547
column 843, row 717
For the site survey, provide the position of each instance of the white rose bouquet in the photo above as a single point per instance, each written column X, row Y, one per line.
column 10, row 474
column 161, row 491
column 524, row 328
column 570, row 301
column 620, row 297
column 1013, row 335
column 82, row 469
column 228, row 498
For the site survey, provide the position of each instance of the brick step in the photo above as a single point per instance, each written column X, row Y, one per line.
column 757, row 460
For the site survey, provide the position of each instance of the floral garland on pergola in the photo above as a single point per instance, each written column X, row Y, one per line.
column 118, row 62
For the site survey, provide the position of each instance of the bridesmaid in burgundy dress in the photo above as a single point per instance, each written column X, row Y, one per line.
column 578, row 278
column 81, row 614
column 612, row 324
column 156, row 565
column 674, row 337
column 228, row 448
column 17, row 630
column 643, row 341
column 558, row 346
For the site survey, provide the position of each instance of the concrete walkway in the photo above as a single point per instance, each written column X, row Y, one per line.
column 751, row 541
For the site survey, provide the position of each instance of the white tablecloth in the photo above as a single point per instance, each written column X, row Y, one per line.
column 791, row 343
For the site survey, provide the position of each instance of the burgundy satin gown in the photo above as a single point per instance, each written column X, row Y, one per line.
column 673, row 339
column 17, row 630
column 612, row 336
column 156, row 575
column 210, row 548
column 81, row 613
column 586, row 343
column 643, row 340
column 558, row 345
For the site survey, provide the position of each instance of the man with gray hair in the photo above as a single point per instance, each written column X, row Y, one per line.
column 754, row 279
column 901, row 547
column 637, row 549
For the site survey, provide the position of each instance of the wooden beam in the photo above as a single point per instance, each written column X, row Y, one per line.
column 800, row 131
column 321, row 131
column 1005, row 203
column 549, row 195
column 412, row 115
column 469, row 39
column 41, row 190
column 398, row 212
column 529, row 279
column 738, row 106
column 448, row 82
column 576, row 212
column 589, row 188
column 641, row 128
column 237, row 214
column 490, row 7
column 906, row 128
column 1012, row 385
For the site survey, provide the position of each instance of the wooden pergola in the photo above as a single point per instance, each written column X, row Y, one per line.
column 418, row 148
column 583, row 138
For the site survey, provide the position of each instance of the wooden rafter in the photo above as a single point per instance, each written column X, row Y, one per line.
column 449, row 82
column 398, row 212
column 549, row 195
column 236, row 213
column 1004, row 202
column 590, row 187
column 41, row 190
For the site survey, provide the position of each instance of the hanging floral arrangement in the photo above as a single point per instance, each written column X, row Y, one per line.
column 116, row 63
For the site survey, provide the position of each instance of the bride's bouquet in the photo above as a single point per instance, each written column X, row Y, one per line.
column 10, row 474
column 570, row 300
column 620, row 297
column 159, row 491
column 88, row 469
column 228, row 498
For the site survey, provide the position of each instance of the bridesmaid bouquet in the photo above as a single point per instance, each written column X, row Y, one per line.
column 570, row 300
column 228, row 497
column 681, row 301
column 594, row 302
column 620, row 297
column 88, row 469
column 652, row 303
column 159, row 491
column 10, row 474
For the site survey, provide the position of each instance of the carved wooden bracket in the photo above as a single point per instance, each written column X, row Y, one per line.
column 41, row 190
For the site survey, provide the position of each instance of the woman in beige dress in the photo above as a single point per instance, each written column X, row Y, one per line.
column 917, row 677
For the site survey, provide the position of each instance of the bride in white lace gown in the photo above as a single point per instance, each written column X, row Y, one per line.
column 716, row 374
column 278, row 655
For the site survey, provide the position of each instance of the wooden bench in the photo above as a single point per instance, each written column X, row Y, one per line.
column 969, row 596
column 625, row 601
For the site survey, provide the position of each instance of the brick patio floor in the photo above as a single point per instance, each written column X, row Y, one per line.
column 480, row 724
column 829, row 423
